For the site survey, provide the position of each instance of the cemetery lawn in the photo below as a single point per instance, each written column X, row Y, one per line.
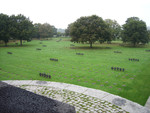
column 93, row 69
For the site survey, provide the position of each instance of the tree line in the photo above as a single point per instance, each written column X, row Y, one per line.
column 90, row 29
column 19, row 27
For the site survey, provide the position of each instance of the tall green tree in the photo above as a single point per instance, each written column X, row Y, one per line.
column 149, row 34
column 36, row 33
column 89, row 29
column 45, row 30
column 115, row 28
column 21, row 27
column 4, row 28
column 67, row 31
column 135, row 31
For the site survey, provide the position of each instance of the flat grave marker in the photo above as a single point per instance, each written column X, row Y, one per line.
column 79, row 53
column 117, row 52
column 38, row 49
column 53, row 59
column 9, row 52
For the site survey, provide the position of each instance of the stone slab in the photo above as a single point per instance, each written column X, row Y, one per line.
column 125, row 104
column 96, row 93
column 76, row 88
column 57, row 85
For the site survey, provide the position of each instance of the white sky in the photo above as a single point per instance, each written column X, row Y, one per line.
column 60, row 13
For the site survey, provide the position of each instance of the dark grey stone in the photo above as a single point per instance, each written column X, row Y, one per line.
column 9, row 52
column 53, row 59
column 44, row 45
column 17, row 100
column 79, row 53
column 119, row 101
column 38, row 49
column 41, row 82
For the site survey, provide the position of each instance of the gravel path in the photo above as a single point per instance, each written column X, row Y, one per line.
column 82, row 103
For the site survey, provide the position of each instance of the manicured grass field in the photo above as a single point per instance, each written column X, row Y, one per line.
column 93, row 69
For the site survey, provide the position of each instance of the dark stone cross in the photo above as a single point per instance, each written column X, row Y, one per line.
column 53, row 59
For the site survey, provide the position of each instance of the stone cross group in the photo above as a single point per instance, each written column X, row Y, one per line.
column 117, row 52
column 133, row 59
column 45, row 75
column 117, row 69
column 79, row 53
column 53, row 59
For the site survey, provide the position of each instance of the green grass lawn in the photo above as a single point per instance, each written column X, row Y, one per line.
column 93, row 69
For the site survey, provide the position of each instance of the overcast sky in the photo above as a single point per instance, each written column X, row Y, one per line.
column 60, row 13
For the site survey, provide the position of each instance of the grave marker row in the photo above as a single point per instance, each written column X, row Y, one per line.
column 133, row 59
column 117, row 69
column 38, row 49
column 117, row 52
column 44, row 45
column 72, row 45
column 45, row 75
column 79, row 53
column 53, row 59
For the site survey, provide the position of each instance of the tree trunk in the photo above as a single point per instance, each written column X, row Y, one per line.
column 20, row 42
column 90, row 44
column 5, row 44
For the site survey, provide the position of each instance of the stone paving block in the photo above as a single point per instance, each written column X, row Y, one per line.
column 96, row 93
column 57, row 84
column 76, row 88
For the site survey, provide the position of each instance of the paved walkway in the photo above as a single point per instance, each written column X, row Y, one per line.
column 85, row 100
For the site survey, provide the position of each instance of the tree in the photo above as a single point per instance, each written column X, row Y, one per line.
column 149, row 34
column 67, row 31
column 21, row 27
column 36, row 33
column 135, row 31
column 45, row 30
column 115, row 28
column 89, row 29
column 4, row 28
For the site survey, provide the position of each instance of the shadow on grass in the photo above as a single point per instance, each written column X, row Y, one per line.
column 88, row 48
column 132, row 46
column 24, row 45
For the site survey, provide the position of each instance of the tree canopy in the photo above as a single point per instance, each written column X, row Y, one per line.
column 21, row 27
column 135, row 31
column 44, row 30
column 4, row 28
column 115, row 28
column 89, row 29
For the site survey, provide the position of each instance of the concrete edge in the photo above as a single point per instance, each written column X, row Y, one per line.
column 129, row 106
column 147, row 105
